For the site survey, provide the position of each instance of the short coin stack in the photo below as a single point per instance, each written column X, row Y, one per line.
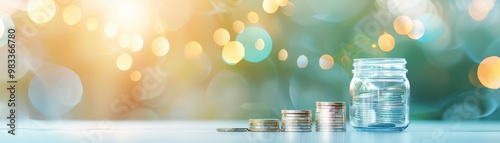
column 264, row 125
column 330, row 116
column 296, row 120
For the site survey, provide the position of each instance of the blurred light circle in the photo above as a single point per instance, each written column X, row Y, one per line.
column 248, row 39
column 92, row 23
column 124, row 62
column 136, row 43
column 110, row 29
column 326, row 62
column 282, row 2
column 488, row 72
column 337, row 10
column 386, row 42
column 135, row 76
column 417, row 31
column 374, row 46
column 403, row 25
column 124, row 40
column 55, row 90
column 307, row 86
column 253, row 17
column 289, row 9
column 270, row 6
column 233, row 52
column 160, row 46
column 221, row 36
column 176, row 13
column 41, row 11
column 193, row 50
column 72, row 14
column 259, row 44
column 478, row 10
column 282, row 55
column 238, row 26
column 302, row 61
column 6, row 23
column 434, row 27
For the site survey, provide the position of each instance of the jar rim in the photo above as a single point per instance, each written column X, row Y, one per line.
column 380, row 60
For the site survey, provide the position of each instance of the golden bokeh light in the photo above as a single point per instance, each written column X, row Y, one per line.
column 253, row 17
column 403, row 25
column 488, row 72
column 259, row 44
column 124, row 40
column 374, row 46
column 302, row 61
column 221, row 36
column 417, row 31
column 41, row 11
column 160, row 46
column 92, row 23
column 282, row 2
column 283, row 55
column 233, row 52
column 72, row 14
column 110, row 29
column 160, row 26
column 193, row 50
column 289, row 9
column 124, row 62
column 136, row 43
column 238, row 26
column 326, row 62
column 270, row 6
column 135, row 76
column 386, row 42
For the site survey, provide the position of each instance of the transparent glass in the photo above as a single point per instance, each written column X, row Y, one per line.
column 380, row 95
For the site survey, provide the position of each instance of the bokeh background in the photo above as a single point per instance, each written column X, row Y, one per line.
column 240, row 59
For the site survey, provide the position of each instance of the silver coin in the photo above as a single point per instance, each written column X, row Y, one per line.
column 263, row 120
column 264, row 124
column 232, row 129
column 296, row 127
column 296, row 111
column 264, row 127
column 296, row 115
column 264, row 130
column 296, row 118
column 296, row 130
column 331, row 130
column 330, row 103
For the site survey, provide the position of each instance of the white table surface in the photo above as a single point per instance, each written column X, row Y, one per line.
column 205, row 131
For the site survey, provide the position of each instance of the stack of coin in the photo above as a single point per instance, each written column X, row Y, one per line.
column 264, row 125
column 330, row 116
column 296, row 120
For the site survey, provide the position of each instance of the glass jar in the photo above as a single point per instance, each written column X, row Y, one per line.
column 380, row 95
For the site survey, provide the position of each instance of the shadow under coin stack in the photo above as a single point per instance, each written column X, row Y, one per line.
column 264, row 125
column 296, row 120
column 330, row 117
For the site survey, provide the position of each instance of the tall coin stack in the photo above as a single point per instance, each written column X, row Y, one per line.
column 296, row 120
column 330, row 116
column 264, row 125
